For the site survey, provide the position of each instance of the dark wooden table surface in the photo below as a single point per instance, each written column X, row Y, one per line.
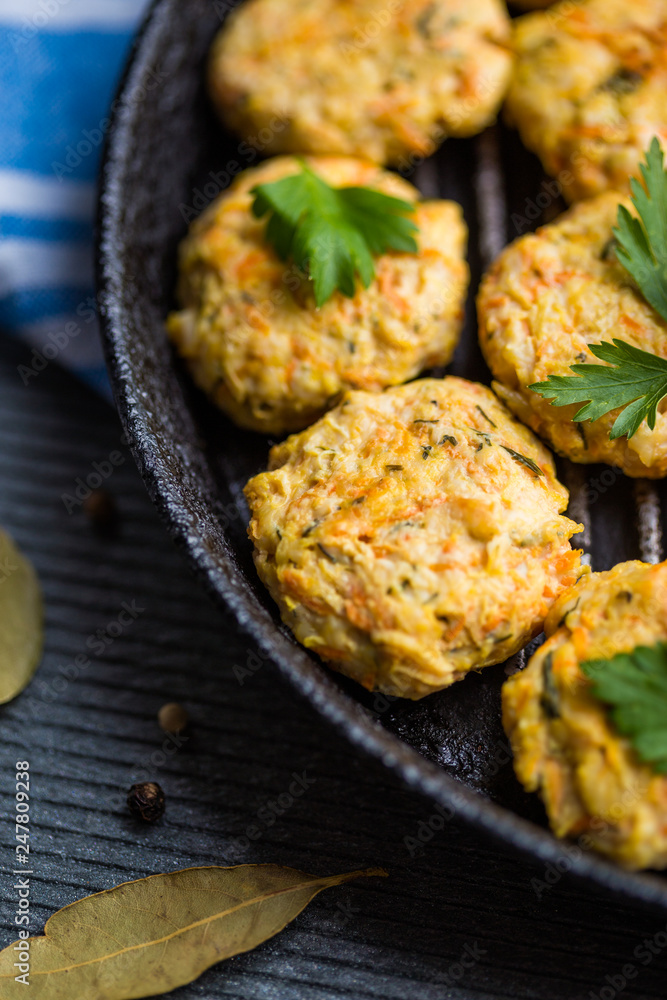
column 459, row 919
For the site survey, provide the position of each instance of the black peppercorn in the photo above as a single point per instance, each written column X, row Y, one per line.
column 146, row 801
column 100, row 507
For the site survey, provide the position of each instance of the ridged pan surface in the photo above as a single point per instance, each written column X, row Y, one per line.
column 166, row 157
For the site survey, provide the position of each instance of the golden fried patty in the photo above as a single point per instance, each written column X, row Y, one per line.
column 248, row 326
column 413, row 535
column 590, row 89
column 565, row 745
column 371, row 78
column 546, row 297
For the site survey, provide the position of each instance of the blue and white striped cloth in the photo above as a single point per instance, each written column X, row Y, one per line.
column 59, row 65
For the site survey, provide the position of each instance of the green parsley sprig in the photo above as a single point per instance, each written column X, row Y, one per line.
column 638, row 380
column 642, row 242
column 332, row 233
column 634, row 686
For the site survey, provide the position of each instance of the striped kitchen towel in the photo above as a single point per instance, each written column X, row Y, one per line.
column 60, row 61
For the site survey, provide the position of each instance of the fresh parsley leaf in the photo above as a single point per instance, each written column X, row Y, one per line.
column 642, row 243
column 332, row 233
column 634, row 685
column 637, row 381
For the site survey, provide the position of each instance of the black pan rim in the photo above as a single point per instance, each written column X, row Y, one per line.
column 223, row 580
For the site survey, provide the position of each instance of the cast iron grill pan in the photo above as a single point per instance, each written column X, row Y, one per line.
column 166, row 155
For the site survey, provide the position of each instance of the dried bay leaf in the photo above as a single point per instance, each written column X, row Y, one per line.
column 149, row 936
column 21, row 629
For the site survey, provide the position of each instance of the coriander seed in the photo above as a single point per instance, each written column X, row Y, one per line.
column 173, row 718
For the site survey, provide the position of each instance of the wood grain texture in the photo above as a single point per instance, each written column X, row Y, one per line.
column 400, row 938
